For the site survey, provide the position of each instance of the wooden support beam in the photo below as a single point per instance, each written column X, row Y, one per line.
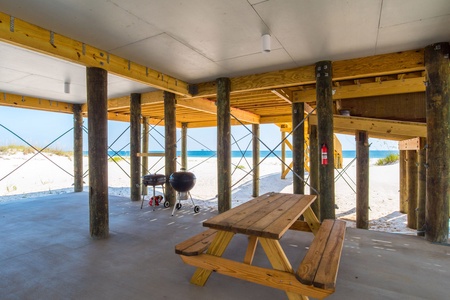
column 208, row 106
column 223, row 144
column 403, row 180
column 314, row 167
column 391, row 87
column 422, row 187
column 26, row 35
column 325, row 138
column 386, row 128
column 170, row 144
column 362, row 180
column 20, row 101
column 298, row 143
column 135, row 146
column 144, row 144
column 77, row 149
column 371, row 66
column 413, row 179
column 410, row 144
column 96, row 82
column 184, row 156
column 255, row 158
column 438, row 151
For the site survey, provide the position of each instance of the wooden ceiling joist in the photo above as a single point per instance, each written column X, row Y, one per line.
column 382, row 88
column 388, row 129
column 371, row 66
column 35, row 103
column 208, row 106
column 20, row 33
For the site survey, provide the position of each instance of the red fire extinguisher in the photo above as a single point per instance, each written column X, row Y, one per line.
column 324, row 152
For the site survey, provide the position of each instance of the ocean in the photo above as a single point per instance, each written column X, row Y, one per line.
column 263, row 153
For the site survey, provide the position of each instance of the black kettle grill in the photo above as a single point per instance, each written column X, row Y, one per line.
column 182, row 182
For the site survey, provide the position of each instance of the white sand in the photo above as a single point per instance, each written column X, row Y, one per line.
column 39, row 177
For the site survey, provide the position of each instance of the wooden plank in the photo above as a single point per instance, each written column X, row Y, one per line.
column 373, row 126
column 389, row 87
column 251, row 248
column 152, row 154
column 196, row 244
column 371, row 66
column 311, row 219
column 280, row 225
column 272, row 278
column 32, row 37
column 410, row 144
column 210, row 107
column 258, row 222
column 310, row 264
column 300, row 225
column 20, row 101
column 279, row 261
column 227, row 220
column 329, row 265
column 217, row 248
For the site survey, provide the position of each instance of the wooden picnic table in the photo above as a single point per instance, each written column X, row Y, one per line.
column 265, row 219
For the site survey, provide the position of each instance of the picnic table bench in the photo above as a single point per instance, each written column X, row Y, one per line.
column 265, row 219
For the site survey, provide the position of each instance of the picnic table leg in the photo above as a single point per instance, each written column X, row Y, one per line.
column 311, row 219
column 251, row 248
column 279, row 261
column 217, row 248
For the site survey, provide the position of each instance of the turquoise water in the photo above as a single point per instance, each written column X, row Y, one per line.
column 264, row 153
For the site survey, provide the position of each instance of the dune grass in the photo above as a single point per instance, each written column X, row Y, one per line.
column 388, row 160
column 13, row 149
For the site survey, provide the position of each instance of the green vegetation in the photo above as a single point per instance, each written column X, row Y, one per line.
column 116, row 158
column 13, row 149
column 240, row 167
column 388, row 160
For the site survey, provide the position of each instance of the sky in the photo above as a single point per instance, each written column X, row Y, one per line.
column 40, row 128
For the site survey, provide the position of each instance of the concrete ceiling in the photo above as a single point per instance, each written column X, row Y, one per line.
column 200, row 40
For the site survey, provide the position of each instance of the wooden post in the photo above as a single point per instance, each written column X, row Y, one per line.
column 298, row 145
column 184, row 146
column 255, row 152
column 77, row 149
column 135, row 146
column 403, row 161
column 325, row 136
column 413, row 178
column 283, row 153
column 314, row 168
column 144, row 159
column 438, row 133
column 223, row 144
column 97, row 98
column 422, row 187
column 170, row 144
column 362, row 180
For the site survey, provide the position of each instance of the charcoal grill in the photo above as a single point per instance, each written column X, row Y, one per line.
column 154, row 180
column 183, row 182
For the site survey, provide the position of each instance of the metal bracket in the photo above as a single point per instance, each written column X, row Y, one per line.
column 11, row 24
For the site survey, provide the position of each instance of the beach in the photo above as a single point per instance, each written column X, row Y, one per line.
column 39, row 176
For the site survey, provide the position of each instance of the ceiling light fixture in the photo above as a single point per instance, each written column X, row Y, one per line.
column 265, row 40
column 67, row 87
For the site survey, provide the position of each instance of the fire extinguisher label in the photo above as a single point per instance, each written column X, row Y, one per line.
column 324, row 152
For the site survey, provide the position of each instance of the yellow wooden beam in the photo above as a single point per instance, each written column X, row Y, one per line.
column 388, row 129
column 35, row 103
column 208, row 106
column 382, row 88
column 411, row 144
column 371, row 66
column 23, row 34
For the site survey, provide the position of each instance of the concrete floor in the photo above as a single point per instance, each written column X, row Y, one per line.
column 46, row 253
